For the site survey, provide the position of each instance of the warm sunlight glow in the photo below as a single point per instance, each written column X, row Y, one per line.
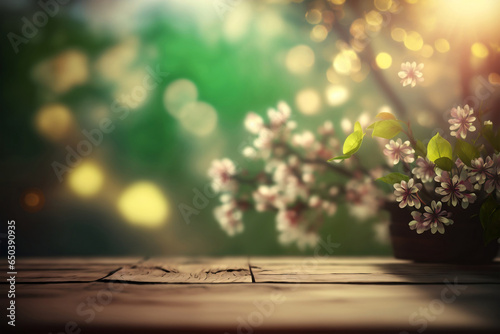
column 468, row 9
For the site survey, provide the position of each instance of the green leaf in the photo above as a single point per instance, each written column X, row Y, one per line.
column 341, row 157
column 372, row 125
column 393, row 178
column 421, row 150
column 385, row 115
column 352, row 143
column 489, row 215
column 444, row 163
column 387, row 129
column 466, row 152
column 357, row 127
column 439, row 147
column 491, row 137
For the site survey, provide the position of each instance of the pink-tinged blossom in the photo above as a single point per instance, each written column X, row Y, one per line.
column 397, row 150
column 479, row 170
column 305, row 139
column 452, row 189
column 304, row 239
column 329, row 207
column 411, row 73
column 280, row 116
column 407, row 193
column 264, row 139
column 363, row 198
column 221, row 171
column 424, row 170
column 418, row 223
column 436, row 217
column 461, row 121
column 229, row 216
column 326, row 129
column 287, row 218
column 493, row 180
column 253, row 123
column 289, row 223
column 266, row 197
column 455, row 189
column 314, row 201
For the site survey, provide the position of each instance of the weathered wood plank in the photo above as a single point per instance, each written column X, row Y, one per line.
column 186, row 270
column 376, row 270
column 55, row 270
column 262, row 308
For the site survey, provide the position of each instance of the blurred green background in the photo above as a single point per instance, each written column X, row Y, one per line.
column 81, row 62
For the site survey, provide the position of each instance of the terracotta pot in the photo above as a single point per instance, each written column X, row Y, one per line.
column 461, row 243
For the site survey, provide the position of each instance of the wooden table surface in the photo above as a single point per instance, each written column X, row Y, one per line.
column 252, row 295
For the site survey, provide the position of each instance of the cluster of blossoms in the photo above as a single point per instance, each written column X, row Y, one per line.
column 303, row 189
column 457, row 187
column 295, row 181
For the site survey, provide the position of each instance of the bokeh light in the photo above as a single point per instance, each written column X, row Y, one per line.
column 313, row 16
column 398, row 34
column 427, row 51
column 113, row 63
column 63, row 71
column 383, row 60
column 308, row 101
column 144, row 204
column 413, row 41
column 86, row 179
column 300, row 59
column 494, row 78
column 319, row 33
column 383, row 5
column 479, row 50
column 336, row 95
column 32, row 200
column 374, row 18
column 346, row 62
column 54, row 122
column 198, row 118
column 442, row 45
column 178, row 94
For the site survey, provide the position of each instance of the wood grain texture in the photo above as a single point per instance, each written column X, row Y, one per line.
column 278, row 295
column 262, row 308
column 57, row 270
column 186, row 270
column 369, row 270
